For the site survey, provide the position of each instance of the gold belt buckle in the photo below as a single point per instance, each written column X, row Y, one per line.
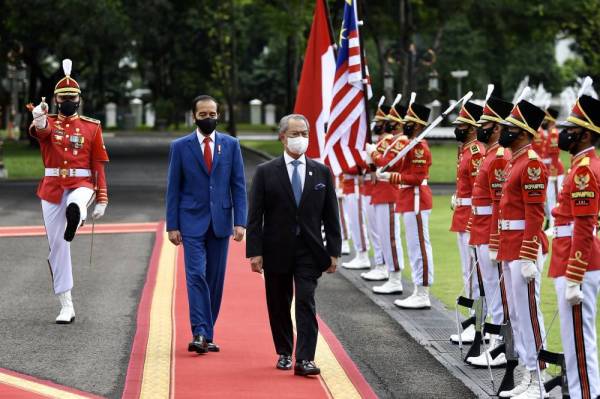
column 63, row 173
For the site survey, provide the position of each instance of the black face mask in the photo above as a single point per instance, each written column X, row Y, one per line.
column 206, row 125
column 484, row 135
column 461, row 134
column 507, row 138
column 68, row 107
column 377, row 129
column 408, row 130
column 389, row 127
column 566, row 140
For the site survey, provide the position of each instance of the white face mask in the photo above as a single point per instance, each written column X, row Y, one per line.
column 297, row 145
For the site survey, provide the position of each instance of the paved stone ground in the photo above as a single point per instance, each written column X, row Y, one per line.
column 432, row 329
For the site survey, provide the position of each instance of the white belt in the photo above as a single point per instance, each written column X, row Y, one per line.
column 349, row 177
column 565, row 230
column 482, row 210
column 511, row 224
column 562, row 231
column 423, row 183
column 463, row 202
column 64, row 172
column 547, row 161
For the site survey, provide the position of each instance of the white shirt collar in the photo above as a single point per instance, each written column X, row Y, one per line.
column 583, row 151
column 201, row 136
column 288, row 159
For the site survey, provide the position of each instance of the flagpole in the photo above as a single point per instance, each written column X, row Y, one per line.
column 364, row 72
column 330, row 26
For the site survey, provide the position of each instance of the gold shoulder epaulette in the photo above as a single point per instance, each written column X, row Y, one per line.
column 532, row 154
column 500, row 152
column 474, row 149
column 585, row 161
column 87, row 118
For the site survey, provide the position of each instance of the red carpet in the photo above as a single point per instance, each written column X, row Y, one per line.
column 245, row 367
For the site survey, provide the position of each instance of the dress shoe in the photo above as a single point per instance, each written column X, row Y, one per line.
column 198, row 345
column 73, row 215
column 212, row 347
column 360, row 261
column 378, row 273
column 306, row 368
column 284, row 362
column 67, row 313
column 392, row 286
column 418, row 300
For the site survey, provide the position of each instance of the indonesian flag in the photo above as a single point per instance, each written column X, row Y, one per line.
column 316, row 81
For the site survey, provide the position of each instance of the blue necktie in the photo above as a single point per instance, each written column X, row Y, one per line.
column 296, row 182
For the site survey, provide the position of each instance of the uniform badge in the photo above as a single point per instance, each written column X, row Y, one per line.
column 582, row 181
column 534, row 173
column 500, row 175
column 419, row 153
column 77, row 141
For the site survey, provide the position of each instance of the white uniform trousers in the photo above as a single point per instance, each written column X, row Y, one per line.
column 388, row 226
column 343, row 219
column 469, row 272
column 369, row 212
column 356, row 218
column 55, row 222
column 578, row 332
column 418, row 245
column 527, row 317
column 510, row 298
column 552, row 191
column 495, row 294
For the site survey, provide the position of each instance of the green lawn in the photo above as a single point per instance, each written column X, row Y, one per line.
column 448, row 277
column 22, row 161
column 271, row 147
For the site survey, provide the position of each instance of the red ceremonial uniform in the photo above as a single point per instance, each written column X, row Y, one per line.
column 71, row 143
column 539, row 143
column 578, row 207
column 487, row 189
column 522, row 203
column 413, row 174
column 497, row 178
column 552, row 154
column 384, row 192
column 470, row 157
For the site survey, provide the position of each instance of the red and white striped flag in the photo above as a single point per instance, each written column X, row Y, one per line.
column 347, row 129
column 316, row 81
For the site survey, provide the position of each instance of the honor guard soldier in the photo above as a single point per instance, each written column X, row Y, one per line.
column 387, row 221
column 556, row 169
column 523, row 243
column 352, row 182
column 470, row 157
column 339, row 193
column 74, row 155
column 414, row 203
column 487, row 191
column 575, row 264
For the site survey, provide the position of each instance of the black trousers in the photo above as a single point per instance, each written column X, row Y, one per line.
column 280, row 290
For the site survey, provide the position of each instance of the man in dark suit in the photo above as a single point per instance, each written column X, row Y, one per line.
column 206, row 198
column 292, row 197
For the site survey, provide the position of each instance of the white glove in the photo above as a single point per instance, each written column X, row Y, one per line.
column 383, row 176
column 368, row 158
column 371, row 148
column 453, row 202
column 339, row 193
column 99, row 210
column 493, row 255
column 573, row 293
column 40, row 117
column 529, row 270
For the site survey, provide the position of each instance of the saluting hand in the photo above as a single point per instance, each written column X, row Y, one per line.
column 333, row 266
column 238, row 233
column 256, row 263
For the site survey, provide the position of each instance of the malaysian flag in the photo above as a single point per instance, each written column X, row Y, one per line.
column 347, row 128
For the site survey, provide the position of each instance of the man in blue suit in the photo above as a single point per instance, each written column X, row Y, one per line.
column 206, row 204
